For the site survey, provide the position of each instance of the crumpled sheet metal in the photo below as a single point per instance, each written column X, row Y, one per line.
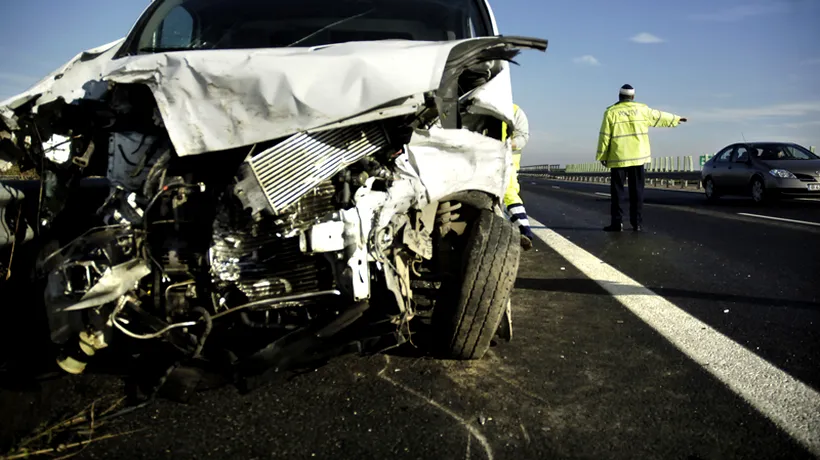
column 79, row 78
column 441, row 162
column 495, row 97
column 115, row 282
column 221, row 99
column 213, row 100
column 435, row 164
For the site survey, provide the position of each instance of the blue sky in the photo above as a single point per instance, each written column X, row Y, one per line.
column 731, row 66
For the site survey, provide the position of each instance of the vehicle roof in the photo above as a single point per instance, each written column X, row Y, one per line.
column 760, row 144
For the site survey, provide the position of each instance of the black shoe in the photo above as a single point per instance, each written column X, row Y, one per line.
column 526, row 243
column 637, row 228
column 614, row 228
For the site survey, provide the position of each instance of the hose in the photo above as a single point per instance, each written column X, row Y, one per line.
column 152, row 335
column 155, row 170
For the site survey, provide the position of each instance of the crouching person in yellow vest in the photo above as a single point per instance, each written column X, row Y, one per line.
column 520, row 135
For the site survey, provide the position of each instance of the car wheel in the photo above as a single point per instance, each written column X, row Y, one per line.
column 491, row 259
column 758, row 190
column 710, row 189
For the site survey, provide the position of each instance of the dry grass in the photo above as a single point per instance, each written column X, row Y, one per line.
column 71, row 436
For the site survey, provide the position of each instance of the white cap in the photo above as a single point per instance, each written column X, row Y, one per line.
column 627, row 90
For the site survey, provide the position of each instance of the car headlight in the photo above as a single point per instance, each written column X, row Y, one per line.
column 782, row 174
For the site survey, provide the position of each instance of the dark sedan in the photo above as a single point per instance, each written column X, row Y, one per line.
column 762, row 170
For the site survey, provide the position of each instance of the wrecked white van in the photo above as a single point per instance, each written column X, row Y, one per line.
column 281, row 174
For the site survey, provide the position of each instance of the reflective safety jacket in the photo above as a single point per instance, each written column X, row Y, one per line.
column 520, row 131
column 520, row 136
column 624, row 137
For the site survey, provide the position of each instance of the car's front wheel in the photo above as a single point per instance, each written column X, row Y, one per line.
column 758, row 190
column 490, row 266
column 710, row 190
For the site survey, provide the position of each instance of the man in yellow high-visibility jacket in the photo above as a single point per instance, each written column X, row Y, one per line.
column 623, row 146
column 512, row 200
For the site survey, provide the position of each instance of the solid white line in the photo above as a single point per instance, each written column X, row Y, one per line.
column 789, row 403
column 646, row 187
column 781, row 219
column 816, row 200
column 602, row 194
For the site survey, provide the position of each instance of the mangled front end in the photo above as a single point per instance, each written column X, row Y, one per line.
column 271, row 227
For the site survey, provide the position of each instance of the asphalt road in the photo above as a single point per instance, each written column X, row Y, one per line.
column 584, row 377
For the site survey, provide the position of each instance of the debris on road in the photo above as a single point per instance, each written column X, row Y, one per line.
column 79, row 431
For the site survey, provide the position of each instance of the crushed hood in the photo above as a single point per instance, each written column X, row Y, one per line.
column 212, row 100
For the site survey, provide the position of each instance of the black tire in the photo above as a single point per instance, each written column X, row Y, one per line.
column 490, row 267
column 757, row 190
column 710, row 190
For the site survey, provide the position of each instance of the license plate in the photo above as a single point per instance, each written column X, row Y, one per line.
column 814, row 187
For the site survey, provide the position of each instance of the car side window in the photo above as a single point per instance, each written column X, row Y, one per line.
column 725, row 155
column 741, row 155
column 177, row 29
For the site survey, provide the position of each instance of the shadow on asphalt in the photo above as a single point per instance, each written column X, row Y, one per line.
column 588, row 286
column 577, row 229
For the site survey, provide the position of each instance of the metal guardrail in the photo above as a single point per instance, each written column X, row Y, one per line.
column 680, row 179
column 677, row 164
column 677, row 172
column 661, row 164
column 664, row 171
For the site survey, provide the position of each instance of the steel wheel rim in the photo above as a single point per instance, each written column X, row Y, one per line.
column 710, row 188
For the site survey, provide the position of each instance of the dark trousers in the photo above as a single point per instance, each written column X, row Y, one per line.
column 635, row 176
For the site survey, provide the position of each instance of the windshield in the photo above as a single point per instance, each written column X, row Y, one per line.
column 231, row 24
column 782, row 152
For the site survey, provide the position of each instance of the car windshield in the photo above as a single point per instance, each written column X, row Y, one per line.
column 782, row 152
column 232, row 24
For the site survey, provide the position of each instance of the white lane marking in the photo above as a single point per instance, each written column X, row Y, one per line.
column 647, row 187
column 555, row 186
column 816, row 200
column 789, row 403
column 602, row 194
column 781, row 219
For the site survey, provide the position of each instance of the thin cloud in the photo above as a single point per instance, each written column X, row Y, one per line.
column 741, row 12
column 645, row 38
column 797, row 109
column 586, row 60
column 801, row 124
column 17, row 78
